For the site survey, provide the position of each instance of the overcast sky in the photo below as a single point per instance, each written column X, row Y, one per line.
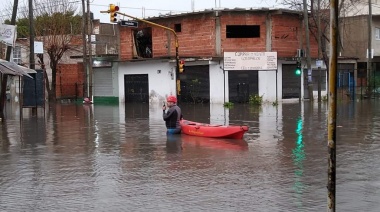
column 156, row 7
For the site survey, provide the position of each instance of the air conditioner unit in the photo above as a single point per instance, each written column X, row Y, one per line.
column 301, row 53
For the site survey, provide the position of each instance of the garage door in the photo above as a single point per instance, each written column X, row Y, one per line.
column 290, row 82
column 102, row 82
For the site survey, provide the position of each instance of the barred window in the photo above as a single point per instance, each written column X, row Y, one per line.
column 17, row 55
column 377, row 33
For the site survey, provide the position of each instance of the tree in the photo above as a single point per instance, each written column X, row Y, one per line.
column 56, row 25
column 345, row 7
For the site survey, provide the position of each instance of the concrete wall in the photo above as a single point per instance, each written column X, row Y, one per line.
column 375, row 43
column 217, row 91
column 160, row 84
column 354, row 40
column 267, row 85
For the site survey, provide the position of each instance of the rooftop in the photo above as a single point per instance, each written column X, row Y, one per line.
column 249, row 9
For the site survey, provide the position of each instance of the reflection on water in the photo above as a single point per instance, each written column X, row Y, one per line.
column 119, row 158
column 298, row 155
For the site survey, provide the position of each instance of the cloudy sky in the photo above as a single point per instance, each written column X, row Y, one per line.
column 148, row 8
column 156, row 7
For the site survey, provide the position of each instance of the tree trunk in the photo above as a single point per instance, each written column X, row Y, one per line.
column 53, row 93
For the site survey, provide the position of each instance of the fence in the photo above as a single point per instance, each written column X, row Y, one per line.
column 351, row 88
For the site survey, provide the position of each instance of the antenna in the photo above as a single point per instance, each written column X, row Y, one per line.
column 192, row 5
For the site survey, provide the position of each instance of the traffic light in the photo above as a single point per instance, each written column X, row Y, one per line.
column 113, row 8
column 298, row 68
column 181, row 66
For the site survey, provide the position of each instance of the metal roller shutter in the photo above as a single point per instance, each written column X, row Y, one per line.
column 102, row 82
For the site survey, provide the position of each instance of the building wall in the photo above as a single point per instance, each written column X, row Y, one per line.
column 70, row 80
column 375, row 42
column 355, row 41
column 198, row 35
column 286, row 35
column 268, row 86
column 218, row 80
column 243, row 44
column 195, row 39
column 160, row 84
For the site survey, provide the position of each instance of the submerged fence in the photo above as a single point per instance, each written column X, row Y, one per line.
column 353, row 87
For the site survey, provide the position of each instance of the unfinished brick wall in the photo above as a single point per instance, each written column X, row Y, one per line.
column 243, row 44
column 288, row 35
column 70, row 81
column 197, row 36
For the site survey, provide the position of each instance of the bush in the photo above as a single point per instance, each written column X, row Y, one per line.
column 255, row 99
column 228, row 104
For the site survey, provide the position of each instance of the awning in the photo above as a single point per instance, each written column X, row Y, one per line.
column 11, row 68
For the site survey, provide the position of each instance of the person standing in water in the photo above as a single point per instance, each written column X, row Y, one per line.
column 173, row 116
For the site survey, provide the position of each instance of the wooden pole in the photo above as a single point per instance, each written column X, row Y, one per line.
column 308, row 56
column 89, row 22
column 31, row 46
column 319, row 49
column 85, row 64
column 369, row 68
column 333, row 65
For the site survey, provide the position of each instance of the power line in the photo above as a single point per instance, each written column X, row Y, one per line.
column 139, row 8
column 37, row 7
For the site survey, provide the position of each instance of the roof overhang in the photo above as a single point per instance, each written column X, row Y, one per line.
column 11, row 68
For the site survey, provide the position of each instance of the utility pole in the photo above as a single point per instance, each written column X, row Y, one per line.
column 4, row 80
column 369, row 67
column 31, row 44
column 89, row 32
column 331, row 124
column 308, row 59
column 31, row 36
column 85, row 64
column 319, row 49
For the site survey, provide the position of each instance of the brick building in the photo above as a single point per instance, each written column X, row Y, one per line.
column 138, row 64
column 146, row 67
column 71, row 77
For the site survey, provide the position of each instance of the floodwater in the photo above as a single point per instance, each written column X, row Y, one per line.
column 119, row 158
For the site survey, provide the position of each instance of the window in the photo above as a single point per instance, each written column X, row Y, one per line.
column 377, row 33
column 17, row 55
column 243, row 31
column 143, row 43
column 177, row 27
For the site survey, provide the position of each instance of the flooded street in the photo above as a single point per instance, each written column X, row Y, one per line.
column 119, row 158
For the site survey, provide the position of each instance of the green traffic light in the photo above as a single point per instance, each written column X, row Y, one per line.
column 298, row 71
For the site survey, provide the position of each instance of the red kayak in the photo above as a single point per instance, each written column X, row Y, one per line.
column 213, row 131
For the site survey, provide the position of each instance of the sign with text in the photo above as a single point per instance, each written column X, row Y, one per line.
column 234, row 61
column 8, row 34
column 129, row 23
